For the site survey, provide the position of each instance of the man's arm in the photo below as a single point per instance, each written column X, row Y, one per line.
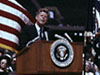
column 24, row 37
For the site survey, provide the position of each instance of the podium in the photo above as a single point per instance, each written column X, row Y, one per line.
column 37, row 60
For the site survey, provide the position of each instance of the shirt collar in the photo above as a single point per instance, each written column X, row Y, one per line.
column 37, row 27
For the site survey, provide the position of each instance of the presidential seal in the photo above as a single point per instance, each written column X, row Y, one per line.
column 61, row 53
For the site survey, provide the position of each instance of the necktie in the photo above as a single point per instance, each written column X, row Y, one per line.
column 41, row 34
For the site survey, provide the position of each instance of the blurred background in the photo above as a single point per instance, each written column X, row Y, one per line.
column 80, row 19
column 65, row 15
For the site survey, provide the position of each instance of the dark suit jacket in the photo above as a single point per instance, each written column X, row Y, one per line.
column 28, row 33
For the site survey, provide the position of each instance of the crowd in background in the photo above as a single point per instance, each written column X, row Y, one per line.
column 7, row 61
column 91, row 62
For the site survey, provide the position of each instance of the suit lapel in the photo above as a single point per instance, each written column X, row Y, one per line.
column 32, row 32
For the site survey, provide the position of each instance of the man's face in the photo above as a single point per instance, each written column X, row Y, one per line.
column 42, row 18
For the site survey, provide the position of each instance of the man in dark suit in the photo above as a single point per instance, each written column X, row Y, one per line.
column 37, row 30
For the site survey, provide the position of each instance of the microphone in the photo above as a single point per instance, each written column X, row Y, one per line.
column 46, row 35
column 30, row 42
column 59, row 37
column 68, row 37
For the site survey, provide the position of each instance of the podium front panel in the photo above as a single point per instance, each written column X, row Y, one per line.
column 37, row 60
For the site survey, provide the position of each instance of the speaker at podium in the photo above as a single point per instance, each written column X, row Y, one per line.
column 51, row 57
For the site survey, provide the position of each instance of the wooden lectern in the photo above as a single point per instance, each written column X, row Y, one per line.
column 37, row 60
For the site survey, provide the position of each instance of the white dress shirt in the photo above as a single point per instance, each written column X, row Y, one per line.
column 37, row 28
column 38, row 31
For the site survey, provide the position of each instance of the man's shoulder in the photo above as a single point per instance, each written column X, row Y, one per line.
column 28, row 27
column 46, row 28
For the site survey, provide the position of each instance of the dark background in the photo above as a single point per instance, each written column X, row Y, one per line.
column 74, row 13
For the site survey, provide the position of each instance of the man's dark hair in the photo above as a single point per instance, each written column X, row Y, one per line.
column 43, row 10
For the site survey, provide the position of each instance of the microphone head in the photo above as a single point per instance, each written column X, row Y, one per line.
column 59, row 37
column 68, row 37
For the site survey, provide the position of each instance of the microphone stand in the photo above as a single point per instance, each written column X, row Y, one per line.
column 84, row 49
